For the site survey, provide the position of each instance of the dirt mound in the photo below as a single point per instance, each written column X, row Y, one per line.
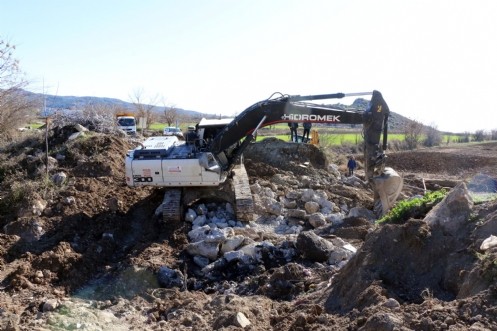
column 466, row 161
column 286, row 156
column 395, row 259
column 418, row 268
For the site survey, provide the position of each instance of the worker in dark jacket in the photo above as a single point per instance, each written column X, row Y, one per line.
column 293, row 131
column 307, row 131
column 352, row 164
column 191, row 136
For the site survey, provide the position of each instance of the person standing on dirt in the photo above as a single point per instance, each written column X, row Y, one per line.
column 352, row 164
column 293, row 131
column 307, row 131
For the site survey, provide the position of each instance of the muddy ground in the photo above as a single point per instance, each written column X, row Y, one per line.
column 83, row 252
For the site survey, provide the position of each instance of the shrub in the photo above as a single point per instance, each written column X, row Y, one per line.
column 479, row 135
column 413, row 208
column 433, row 137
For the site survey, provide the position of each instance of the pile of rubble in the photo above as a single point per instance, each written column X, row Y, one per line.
column 294, row 224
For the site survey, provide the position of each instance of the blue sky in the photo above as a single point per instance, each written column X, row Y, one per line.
column 433, row 61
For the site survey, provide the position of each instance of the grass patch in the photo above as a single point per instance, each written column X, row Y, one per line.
column 327, row 139
column 157, row 126
column 479, row 198
column 413, row 208
column 161, row 126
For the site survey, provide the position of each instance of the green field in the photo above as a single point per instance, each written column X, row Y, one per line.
column 341, row 138
column 157, row 126
column 161, row 126
column 327, row 136
column 338, row 138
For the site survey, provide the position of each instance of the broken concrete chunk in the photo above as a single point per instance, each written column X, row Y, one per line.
column 241, row 320
column 488, row 243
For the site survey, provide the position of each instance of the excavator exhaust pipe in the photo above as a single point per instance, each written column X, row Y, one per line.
column 388, row 186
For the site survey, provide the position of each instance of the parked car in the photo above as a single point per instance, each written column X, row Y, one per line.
column 173, row 131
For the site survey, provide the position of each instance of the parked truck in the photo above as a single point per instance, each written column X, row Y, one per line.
column 126, row 122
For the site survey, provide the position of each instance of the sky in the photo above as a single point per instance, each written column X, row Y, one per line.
column 433, row 61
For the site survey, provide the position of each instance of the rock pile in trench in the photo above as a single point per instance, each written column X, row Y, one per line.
column 289, row 208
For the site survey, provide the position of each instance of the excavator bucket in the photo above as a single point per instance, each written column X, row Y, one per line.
column 388, row 186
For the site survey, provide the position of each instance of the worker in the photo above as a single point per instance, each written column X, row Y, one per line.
column 352, row 164
column 293, row 131
column 191, row 135
column 307, row 131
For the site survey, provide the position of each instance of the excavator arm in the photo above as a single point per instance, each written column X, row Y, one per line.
column 294, row 109
column 278, row 110
column 386, row 182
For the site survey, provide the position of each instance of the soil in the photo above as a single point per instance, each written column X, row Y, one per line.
column 89, row 259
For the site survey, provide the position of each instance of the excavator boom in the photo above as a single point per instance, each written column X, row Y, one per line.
column 294, row 109
column 279, row 110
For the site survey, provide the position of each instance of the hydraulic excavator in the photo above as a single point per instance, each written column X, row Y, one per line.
column 209, row 164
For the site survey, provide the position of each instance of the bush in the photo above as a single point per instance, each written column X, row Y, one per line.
column 433, row 137
column 413, row 208
column 479, row 135
column 412, row 131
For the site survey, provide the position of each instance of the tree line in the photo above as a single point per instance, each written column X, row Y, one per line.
column 417, row 134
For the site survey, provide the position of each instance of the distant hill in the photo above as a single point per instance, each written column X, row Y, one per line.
column 396, row 122
column 55, row 102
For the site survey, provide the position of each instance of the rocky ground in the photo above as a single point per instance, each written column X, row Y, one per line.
column 82, row 251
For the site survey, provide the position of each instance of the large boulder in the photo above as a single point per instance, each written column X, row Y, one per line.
column 452, row 212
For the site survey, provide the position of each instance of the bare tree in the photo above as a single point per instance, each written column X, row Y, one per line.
column 433, row 136
column 170, row 115
column 479, row 135
column 15, row 109
column 493, row 134
column 145, row 110
column 412, row 131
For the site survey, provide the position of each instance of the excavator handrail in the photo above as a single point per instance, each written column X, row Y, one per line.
column 328, row 96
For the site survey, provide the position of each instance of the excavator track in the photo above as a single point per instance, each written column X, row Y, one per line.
column 171, row 206
column 243, row 196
